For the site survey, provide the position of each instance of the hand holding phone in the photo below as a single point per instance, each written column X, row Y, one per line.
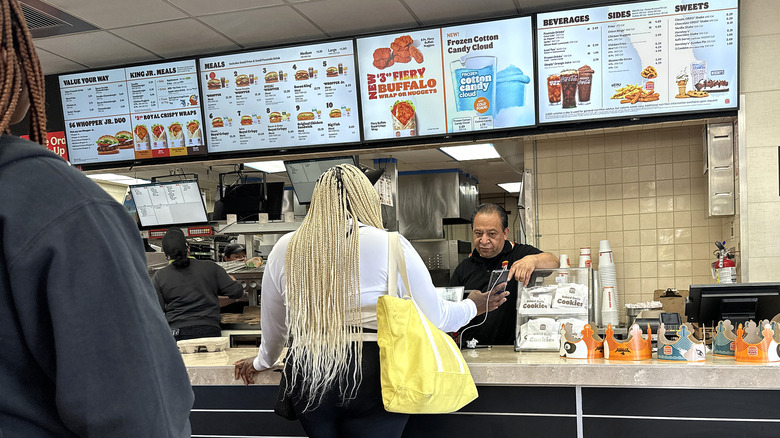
column 498, row 279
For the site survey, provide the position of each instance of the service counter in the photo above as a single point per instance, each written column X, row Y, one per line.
column 532, row 394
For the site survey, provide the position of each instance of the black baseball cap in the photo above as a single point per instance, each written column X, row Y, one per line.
column 233, row 248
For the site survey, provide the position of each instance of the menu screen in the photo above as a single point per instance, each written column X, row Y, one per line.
column 636, row 59
column 294, row 96
column 134, row 113
column 452, row 79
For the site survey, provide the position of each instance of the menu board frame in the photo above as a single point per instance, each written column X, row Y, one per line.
column 134, row 161
column 287, row 149
column 468, row 134
column 660, row 116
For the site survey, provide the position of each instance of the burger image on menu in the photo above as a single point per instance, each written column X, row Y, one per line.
column 107, row 145
column 125, row 139
column 242, row 81
column 301, row 75
column 306, row 115
column 214, row 84
column 246, row 120
column 332, row 72
column 217, row 122
column 335, row 113
column 271, row 76
column 275, row 117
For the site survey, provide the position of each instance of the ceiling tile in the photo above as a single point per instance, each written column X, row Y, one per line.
column 203, row 7
column 111, row 13
column 95, row 49
column 51, row 63
column 350, row 17
column 446, row 11
column 176, row 38
column 274, row 25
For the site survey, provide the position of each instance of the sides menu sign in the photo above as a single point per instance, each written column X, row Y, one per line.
column 637, row 58
column 133, row 113
column 453, row 79
column 286, row 97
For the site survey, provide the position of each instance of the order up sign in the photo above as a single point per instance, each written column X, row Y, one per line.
column 55, row 142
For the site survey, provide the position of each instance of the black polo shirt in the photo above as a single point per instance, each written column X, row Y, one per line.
column 474, row 273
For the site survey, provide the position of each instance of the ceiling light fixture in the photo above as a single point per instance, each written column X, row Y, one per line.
column 482, row 151
column 512, row 187
column 267, row 166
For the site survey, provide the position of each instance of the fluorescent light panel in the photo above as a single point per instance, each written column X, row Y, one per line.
column 117, row 179
column 267, row 166
column 512, row 187
column 482, row 151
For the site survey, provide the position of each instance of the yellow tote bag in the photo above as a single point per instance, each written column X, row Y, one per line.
column 422, row 370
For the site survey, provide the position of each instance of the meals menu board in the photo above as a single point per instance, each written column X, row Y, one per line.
column 453, row 79
column 637, row 59
column 286, row 97
column 133, row 113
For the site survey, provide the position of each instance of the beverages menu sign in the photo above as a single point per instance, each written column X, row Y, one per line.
column 286, row 97
column 132, row 113
column 447, row 80
column 637, row 59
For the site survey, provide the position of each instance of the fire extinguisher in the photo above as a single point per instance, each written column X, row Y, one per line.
column 724, row 270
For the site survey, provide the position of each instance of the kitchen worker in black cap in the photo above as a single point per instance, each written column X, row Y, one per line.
column 188, row 290
column 233, row 252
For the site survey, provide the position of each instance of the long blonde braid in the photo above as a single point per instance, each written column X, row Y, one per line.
column 322, row 267
column 20, row 54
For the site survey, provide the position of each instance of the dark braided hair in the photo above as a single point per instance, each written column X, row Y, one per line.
column 20, row 64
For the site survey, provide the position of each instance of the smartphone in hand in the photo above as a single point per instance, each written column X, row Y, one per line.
column 498, row 277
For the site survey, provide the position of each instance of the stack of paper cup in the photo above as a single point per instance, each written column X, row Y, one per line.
column 609, row 312
column 585, row 261
column 608, row 280
column 563, row 273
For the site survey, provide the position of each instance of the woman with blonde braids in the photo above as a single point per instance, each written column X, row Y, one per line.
column 320, row 289
column 85, row 348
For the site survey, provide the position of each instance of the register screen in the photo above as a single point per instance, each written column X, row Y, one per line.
column 169, row 203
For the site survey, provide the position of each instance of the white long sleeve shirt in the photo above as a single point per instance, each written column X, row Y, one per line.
column 445, row 315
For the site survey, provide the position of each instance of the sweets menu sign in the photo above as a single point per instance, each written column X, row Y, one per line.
column 636, row 59
column 453, row 79
column 132, row 113
column 294, row 96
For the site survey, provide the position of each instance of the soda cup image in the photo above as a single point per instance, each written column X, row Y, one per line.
column 474, row 84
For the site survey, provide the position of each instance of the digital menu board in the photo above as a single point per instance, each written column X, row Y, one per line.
column 133, row 113
column 452, row 79
column 293, row 96
column 637, row 59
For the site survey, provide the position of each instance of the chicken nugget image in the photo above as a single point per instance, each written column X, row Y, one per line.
column 416, row 54
column 401, row 42
column 382, row 53
column 402, row 56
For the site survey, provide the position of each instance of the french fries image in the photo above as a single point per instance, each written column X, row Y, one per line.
column 635, row 93
column 621, row 93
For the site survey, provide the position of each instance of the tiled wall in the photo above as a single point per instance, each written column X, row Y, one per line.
column 761, row 204
column 645, row 192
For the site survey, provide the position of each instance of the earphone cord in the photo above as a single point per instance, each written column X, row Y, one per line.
column 487, row 300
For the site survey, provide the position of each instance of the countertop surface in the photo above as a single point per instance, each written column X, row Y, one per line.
column 501, row 365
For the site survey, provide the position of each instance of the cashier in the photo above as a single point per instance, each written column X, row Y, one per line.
column 492, row 250
column 188, row 290
column 234, row 252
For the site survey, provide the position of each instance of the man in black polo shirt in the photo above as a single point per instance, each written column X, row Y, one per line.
column 493, row 251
